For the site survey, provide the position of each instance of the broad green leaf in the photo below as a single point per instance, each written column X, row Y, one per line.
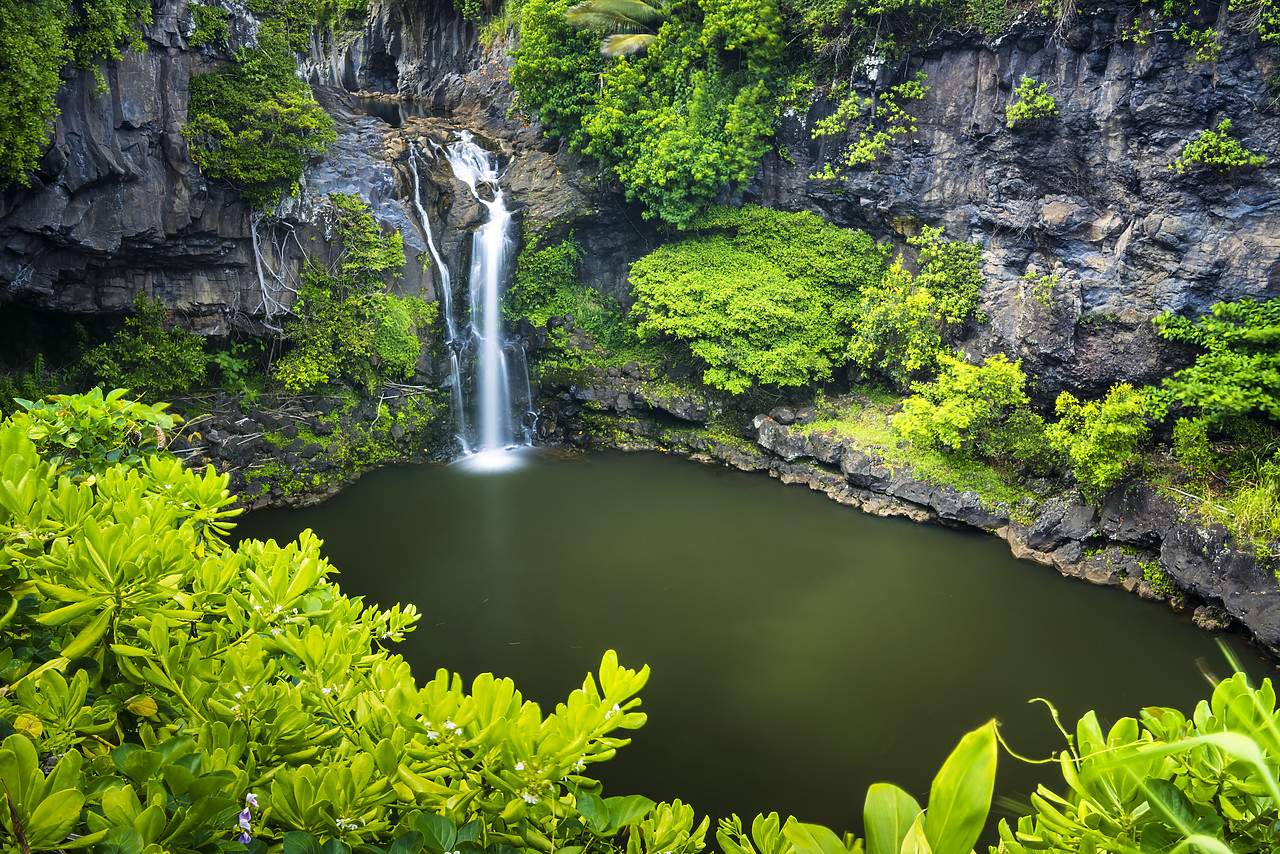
column 300, row 842
column 438, row 833
column 594, row 812
column 813, row 839
column 960, row 797
column 54, row 818
column 887, row 815
column 627, row 810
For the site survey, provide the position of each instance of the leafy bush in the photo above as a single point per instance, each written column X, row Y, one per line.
column 86, row 434
column 1191, row 447
column 677, row 124
column 961, row 409
column 761, row 297
column 1101, row 438
column 950, row 270
column 738, row 313
column 1030, row 103
column 885, row 121
column 1238, row 372
column 343, row 320
column 209, row 26
column 897, row 333
column 32, row 383
column 291, row 18
column 33, row 50
column 1165, row 781
column 253, row 123
column 1216, row 150
column 395, row 339
column 277, row 694
column 151, row 355
column 555, row 70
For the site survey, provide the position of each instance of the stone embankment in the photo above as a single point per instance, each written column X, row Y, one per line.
column 1137, row 540
column 295, row 452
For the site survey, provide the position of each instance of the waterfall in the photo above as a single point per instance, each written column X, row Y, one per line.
column 479, row 357
column 452, row 342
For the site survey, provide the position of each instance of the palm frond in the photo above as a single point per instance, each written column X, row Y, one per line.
column 616, row 16
column 626, row 45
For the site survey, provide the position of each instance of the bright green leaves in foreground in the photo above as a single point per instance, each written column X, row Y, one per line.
column 1165, row 782
column 179, row 675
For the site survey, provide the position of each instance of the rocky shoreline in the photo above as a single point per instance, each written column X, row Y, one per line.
column 1137, row 540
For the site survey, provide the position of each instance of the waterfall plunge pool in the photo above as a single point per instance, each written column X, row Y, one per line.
column 800, row 650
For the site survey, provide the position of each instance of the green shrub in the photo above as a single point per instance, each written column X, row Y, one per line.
column 950, row 270
column 1191, row 447
column 253, row 123
column 885, row 121
column 33, row 383
column 395, row 339
column 1030, row 104
column 291, row 18
column 1101, row 438
column 745, row 319
column 555, row 70
column 177, row 680
column 1238, row 371
column 897, row 333
column 151, row 355
column 342, row 319
column 211, row 28
column 760, row 296
column 1216, row 150
column 675, row 125
column 33, row 50
column 960, row 410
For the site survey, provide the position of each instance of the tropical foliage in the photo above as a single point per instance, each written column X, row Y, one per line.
column 1216, row 150
column 37, row 38
column 344, row 319
column 1238, row 369
column 1101, row 437
column 152, row 355
column 759, row 296
column 1030, row 103
column 253, row 123
column 676, row 123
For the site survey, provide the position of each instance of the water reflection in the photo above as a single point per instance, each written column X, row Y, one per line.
column 395, row 113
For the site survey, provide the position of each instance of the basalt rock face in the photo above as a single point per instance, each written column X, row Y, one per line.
column 117, row 208
column 1087, row 195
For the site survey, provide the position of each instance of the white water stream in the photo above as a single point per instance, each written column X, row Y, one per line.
column 480, row 369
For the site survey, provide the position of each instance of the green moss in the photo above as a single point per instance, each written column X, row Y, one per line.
column 211, row 28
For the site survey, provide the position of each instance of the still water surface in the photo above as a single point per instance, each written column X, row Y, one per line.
column 800, row 650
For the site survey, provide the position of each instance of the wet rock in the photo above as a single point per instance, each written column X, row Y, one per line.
column 776, row 438
column 865, row 471
column 806, row 415
column 1139, row 516
column 1061, row 521
column 1212, row 618
column 784, row 415
column 827, row 448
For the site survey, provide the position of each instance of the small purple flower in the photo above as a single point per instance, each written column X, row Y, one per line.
column 246, row 816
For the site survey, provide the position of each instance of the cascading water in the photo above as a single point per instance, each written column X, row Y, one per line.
column 480, row 371
column 446, row 298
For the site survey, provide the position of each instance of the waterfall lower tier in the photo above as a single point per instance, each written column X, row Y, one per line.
column 488, row 415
